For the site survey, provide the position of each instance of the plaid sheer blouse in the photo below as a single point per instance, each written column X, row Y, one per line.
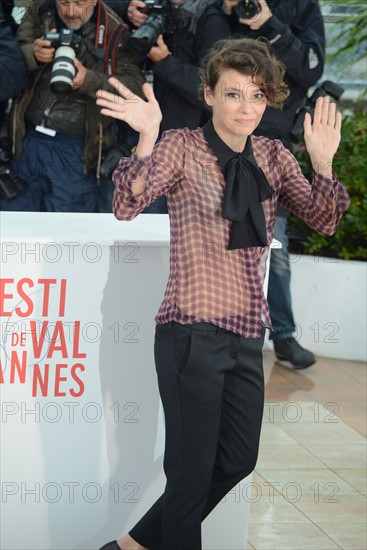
column 207, row 282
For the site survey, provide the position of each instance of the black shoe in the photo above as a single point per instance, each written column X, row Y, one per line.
column 111, row 546
column 290, row 353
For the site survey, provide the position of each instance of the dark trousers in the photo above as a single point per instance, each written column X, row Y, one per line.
column 212, row 389
column 53, row 170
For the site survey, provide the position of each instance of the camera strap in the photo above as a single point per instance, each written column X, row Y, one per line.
column 101, row 31
column 112, row 44
column 106, row 50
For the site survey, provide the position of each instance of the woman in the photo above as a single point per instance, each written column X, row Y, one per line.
column 222, row 185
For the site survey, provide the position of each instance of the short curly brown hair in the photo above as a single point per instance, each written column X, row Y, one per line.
column 251, row 58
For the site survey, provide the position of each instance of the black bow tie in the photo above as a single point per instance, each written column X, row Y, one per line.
column 246, row 187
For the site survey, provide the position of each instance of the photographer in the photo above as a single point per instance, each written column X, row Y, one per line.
column 295, row 31
column 64, row 134
column 191, row 28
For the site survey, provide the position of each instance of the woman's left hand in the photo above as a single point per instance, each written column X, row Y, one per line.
column 322, row 134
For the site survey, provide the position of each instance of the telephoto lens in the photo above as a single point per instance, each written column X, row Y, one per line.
column 246, row 9
column 144, row 38
column 63, row 70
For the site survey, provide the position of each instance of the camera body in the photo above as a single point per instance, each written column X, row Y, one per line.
column 160, row 20
column 328, row 87
column 111, row 160
column 10, row 183
column 246, row 9
column 66, row 42
column 66, row 37
column 150, row 6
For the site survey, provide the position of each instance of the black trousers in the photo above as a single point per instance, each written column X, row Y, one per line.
column 212, row 389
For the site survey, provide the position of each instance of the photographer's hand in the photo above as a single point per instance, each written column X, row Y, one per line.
column 80, row 75
column 159, row 51
column 322, row 135
column 136, row 17
column 143, row 116
column 42, row 50
column 228, row 6
column 260, row 18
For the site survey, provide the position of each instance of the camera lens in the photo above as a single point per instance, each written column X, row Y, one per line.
column 246, row 9
column 63, row 70
column 142, row 40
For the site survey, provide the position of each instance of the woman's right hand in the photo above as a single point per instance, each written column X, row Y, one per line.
column 143, row 116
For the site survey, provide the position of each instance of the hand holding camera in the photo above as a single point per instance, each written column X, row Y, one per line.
column 42, row 50
column 81, row 73
column 161, row 20
column 159, row 51
column 253, row 13
column 61, row 47
column 136, row 12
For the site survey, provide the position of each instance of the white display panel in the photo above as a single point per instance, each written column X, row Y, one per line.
column 82, row 430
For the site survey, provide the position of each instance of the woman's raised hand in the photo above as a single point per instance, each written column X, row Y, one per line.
column 322, row 134
column 143, row 116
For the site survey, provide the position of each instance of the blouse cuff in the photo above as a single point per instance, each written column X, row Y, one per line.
column 326, row 184
column 131, row 170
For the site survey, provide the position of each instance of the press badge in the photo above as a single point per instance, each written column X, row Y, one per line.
column 46, row 131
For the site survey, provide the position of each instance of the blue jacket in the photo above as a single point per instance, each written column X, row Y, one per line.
column 13, row 70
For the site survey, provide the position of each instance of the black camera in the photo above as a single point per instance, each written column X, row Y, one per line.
column 148, row 8
column 246, row 9
column 10, row 183
column 111, row 160
column 160, row 20
column 63, row 71
column 326, row 88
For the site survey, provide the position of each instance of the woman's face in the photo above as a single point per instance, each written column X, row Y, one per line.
column 237, row 105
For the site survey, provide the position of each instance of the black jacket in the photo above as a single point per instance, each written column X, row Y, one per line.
column 176, row 78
